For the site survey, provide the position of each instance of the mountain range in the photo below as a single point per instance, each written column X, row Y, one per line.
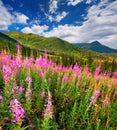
column 97, row 47
column 52, row 45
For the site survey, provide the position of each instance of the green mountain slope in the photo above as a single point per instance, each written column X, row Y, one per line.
column 97, row 47
column 52, row 44
column 9, row 44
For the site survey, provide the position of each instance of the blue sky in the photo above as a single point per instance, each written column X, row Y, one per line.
column 76, row 21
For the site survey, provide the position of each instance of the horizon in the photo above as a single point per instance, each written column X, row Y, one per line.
column 75, row 21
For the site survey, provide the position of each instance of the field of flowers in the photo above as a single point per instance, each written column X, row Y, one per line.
column 40, row 95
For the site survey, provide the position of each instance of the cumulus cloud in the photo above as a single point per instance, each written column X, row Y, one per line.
column 7, row 18
column 36, row 29
column 100, row 24
column 19, row 18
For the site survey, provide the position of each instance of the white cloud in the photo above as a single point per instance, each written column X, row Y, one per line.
column 7, row 19
column 73, row 2
column 100, row 25
column 58, row 17
column 19, row 18
column 53, row 6
column 36, row 29
column 88, row 1
column 53, row 14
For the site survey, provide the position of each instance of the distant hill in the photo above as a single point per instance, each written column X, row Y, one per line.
column 97, row 47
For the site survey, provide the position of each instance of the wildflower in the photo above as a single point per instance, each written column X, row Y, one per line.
column 76, row 69
column 7, row 73
column 79, row 77
column 28, row 93
column 108, row 86
column 97, row 71
column 43, row 94
column 41, row 73
column 48, row 112
column 65, row 78
column 97, row 93
column 105, row 101
column 31, row 60
column 93, row 100
column 1, row 98
column 115, row 93
column 95, row 97
column 16, row 90
column 58, row 79
column 29, row 80
column 49, row 80
column 17, row 110
column 18, row 46
column 115, row 74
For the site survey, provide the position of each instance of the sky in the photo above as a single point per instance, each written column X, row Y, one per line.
column 76, row 21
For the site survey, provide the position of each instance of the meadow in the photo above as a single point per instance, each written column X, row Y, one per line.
column 38, row 94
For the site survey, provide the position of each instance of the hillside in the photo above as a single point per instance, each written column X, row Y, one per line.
column 52, row 44
column 97, row 47
column 9, row 44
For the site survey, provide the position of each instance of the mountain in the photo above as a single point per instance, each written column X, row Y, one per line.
column 51, row 44
column 54, row 46
column 97, row 47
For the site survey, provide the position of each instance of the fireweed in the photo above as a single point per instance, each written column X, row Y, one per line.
column 95, row 97
column 100, row 84
column 18, row 112
column 48, row 110
column 1, row 98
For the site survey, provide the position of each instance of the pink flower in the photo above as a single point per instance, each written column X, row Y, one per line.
column 115, row 93
column 17, row 110
column 41, row 73
column 115, row 74
column 49, row 80
column 48, row 111
column 28, row 93
column 1, row 98
column 93, row 100
column 105, row 101
column 29, row 80
column 43, row 94
column 18, row 46
column 7, row 73
column 97, row 93
column 97, row 71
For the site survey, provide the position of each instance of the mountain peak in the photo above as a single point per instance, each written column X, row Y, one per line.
column 96, row 43
column 97, row 47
